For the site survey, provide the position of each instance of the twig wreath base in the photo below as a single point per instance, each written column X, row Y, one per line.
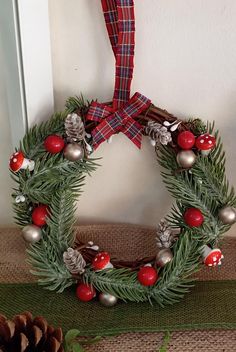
column 50, row 181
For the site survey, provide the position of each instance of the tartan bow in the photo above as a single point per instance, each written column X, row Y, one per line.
column 121, row 120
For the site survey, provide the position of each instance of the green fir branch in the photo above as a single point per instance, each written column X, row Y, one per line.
column 77, row 104
column 46, row 256
column 52, row 174
column 32, row 143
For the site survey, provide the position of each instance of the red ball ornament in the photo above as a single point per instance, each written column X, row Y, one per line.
column 193, row 217
column 85, row 293
column 54, row 144
column 147, row 276
column 186, row 140
column 39, row 215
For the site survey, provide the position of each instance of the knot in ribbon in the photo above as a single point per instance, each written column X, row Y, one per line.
column 121, row 120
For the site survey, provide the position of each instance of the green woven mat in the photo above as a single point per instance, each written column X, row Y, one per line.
column 210, row 305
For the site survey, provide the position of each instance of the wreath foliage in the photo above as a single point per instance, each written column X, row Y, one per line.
column 57, row 182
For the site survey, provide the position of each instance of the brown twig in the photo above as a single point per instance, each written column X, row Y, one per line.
column 153, row 113
column 89, row 254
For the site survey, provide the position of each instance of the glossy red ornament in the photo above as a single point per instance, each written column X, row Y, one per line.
column 193, row 217
column 54, row 144
column 39, row 215
column 186, row 140
column 147, row 276
column 85, row 292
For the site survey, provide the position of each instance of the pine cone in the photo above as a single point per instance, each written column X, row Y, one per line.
column 165, row 237
column 74, row 128
column 158, row 133
column 74, row 261
column 25, row 334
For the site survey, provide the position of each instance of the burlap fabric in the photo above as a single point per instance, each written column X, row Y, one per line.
column 126, row 241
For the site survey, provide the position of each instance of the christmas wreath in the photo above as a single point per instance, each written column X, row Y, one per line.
column 54, row 158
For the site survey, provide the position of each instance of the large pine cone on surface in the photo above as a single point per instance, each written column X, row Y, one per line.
column 25, row 334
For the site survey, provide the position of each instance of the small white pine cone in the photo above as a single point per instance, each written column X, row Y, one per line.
column 165, row 138
column 164, row 235
column 74, row 261
column 158, row 133
column 74, row 128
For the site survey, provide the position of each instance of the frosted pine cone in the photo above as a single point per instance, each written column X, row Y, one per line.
column 74, row 128
column 164, row 238
column 74, row 261
column 158, row 133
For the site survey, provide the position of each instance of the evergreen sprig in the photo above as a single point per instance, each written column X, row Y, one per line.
column 77, row 104
column 32, row 143
column 46, row 256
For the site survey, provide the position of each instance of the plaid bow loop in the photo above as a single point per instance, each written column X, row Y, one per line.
column 122, row 120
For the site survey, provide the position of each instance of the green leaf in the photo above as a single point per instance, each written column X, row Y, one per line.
column 164, row 347
column 91, row 341
column 77, row 347
column 71, row 335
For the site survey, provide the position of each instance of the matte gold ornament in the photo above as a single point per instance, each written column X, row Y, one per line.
column 186, row 158
column 227, row 215
column 163, row 257
column 107, row 300
column 32, row 233
column 74, row 152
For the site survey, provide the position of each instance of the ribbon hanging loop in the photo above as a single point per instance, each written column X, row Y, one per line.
column 120, row 24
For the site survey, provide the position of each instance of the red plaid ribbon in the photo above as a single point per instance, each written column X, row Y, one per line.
column 121, row 120
column 120, row 23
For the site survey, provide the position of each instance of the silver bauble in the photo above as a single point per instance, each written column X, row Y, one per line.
column 227, row 215
column 32, row 233
column 186, row 158
column 163, row 257
column 107, row 300
column 74, row 152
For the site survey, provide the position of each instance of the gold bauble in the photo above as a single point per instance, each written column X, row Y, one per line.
column 163, row 257
column 227, row 215
column 107, row 300
column 32, row 233
column 74, row 152
column 186, row 158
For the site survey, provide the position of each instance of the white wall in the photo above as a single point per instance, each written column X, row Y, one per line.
column 185, row 62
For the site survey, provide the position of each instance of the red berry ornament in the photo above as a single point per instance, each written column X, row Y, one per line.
column 54, row 144
column 85, row 293
column 39, row 215
column 147, row 276
column 186, row 140
column 193, row 217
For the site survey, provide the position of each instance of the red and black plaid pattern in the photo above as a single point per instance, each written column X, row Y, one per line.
column 111, row 19
column 119, row 18
column 121, row 120
column 120, row 23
